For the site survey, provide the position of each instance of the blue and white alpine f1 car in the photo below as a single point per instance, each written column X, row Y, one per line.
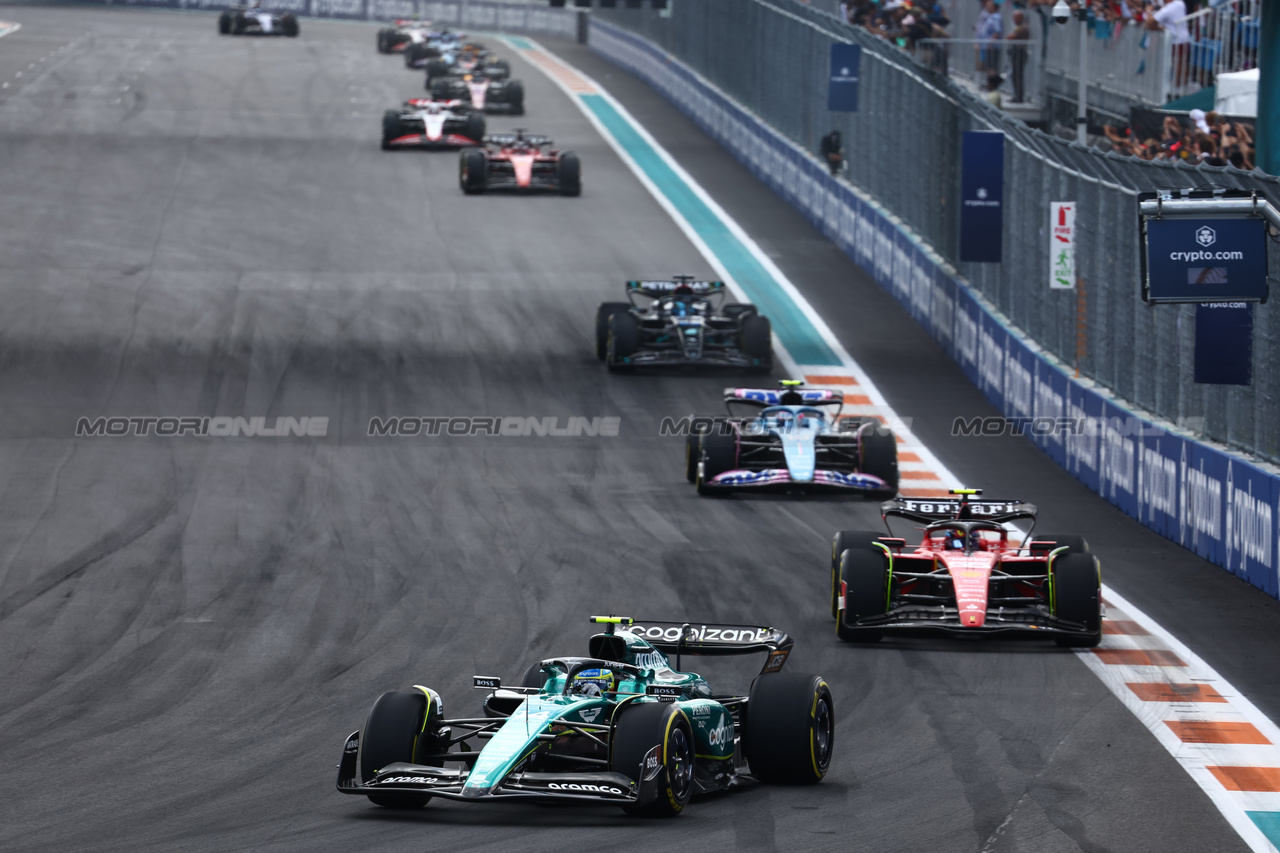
column 793, row 439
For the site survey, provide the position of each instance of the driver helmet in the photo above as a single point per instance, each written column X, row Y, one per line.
column 594, row 682
column 682, row 304
column 955, row 540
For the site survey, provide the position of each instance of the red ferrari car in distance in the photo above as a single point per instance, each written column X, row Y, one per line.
column 967, row 575
column 517, row 161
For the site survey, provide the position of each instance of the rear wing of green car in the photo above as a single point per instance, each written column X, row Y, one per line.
column 701, row 638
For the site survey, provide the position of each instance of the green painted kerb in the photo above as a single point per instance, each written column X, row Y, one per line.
column 519, row 43
column 1269, row 823
column 793, row 329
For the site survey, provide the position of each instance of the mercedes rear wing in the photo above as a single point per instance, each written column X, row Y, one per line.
column 658, row 289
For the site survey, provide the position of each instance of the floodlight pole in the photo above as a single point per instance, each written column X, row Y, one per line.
column 1082, row 112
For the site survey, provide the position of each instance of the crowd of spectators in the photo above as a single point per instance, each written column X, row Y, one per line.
column 1200, row 137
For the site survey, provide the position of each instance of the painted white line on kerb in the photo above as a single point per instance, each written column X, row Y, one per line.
column 1228, row 710
column 7, row 27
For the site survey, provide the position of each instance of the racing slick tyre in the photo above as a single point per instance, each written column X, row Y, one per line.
column 692, row 452
column 569, row 174
column 841, row 542
column 790, row 728
column 440, row 89
column 238, row 23
column 475, row 128
column 471, row 172
column 719, row 454
column 865, row 575
column 1074, row 543
column 389, row 735
column 624, row 338
column 289, row 26
column 435, row 68
column 641, row 727
column 1077, row 594
column 757, row 342
column 390, row 128
column 414, row 53
column 879, row 451
column 384, row 42
column 603, row 313
column 224, row 23
column 515, row 97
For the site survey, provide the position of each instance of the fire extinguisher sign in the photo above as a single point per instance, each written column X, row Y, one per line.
column 1062, row 245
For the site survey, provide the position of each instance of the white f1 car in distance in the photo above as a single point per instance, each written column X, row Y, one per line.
column 427, row 123
column 254, row 20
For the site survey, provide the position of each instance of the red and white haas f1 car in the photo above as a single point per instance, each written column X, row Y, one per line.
column 424, row 123
column 482, row 93
column 516, row 161
column 966, row 575
column 255, row 20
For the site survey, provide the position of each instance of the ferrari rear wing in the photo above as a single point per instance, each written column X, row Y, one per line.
column 700, row 638
column 501, row 139
column 928, row 510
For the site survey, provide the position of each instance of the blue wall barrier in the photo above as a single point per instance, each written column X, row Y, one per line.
column 1214, row 503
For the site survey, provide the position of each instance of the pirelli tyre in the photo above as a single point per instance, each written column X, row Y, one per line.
column 289, row 26
column 1077, row 596
column 789, row 732
column 441, row 90
column 841, row 542
column 391, row 128
column 414, row 53
column 472, row 171
column 569, row 174
column 603, row 313
column 238, row 23
column 640, row 727
column 390, row 735
column 719, row 454
column 865, row 575
column 224, row 24
column 435, row 68
column 515, row 97
column 624, row 339
column 475, row 128
column 384, row 45
column 878, row 449
column 692, row 452
column 757, row 342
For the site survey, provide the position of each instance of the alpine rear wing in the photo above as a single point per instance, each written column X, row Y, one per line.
column 700, row 638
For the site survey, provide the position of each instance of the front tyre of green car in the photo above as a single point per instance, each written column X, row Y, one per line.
column 640, row 727
column 390, row 735
column 789, row 733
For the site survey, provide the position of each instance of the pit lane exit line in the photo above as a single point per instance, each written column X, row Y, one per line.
column 1227, row 746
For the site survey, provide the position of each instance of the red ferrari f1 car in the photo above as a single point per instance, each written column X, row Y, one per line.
column 967, row 575
column 517, row 161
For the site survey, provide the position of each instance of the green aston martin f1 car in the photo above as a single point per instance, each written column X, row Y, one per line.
column 620, row 726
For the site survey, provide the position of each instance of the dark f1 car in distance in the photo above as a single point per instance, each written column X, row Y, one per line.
column 482, row 93
column 966, row 575
column 684, row 322
column 516, row 161
column 254, row 20
column 787, row 439
column 424, row 123
column 619, row 727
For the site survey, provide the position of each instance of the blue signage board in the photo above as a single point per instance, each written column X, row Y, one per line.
column 1204, row 260
column 982, row 196
column 1224, row 343
column 842, row 85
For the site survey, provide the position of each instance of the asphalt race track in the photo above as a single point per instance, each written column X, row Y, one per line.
column 201, row 226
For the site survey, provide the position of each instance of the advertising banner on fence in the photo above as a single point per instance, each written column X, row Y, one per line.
column 1224, row 343
column 982, row 196
column 1204, row 260
column 842, row 86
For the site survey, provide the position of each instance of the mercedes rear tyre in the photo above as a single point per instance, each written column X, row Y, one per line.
column 603, row 313
column 719, row 454
column 623, row 340
column 757, row 342
column 641, row 727
column 841, row 542
column 472, row 172
column 878, row 448
column 389, row 736
column 790, row 728
column 569, row 174
column 1077, row 597
column 865, row 575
